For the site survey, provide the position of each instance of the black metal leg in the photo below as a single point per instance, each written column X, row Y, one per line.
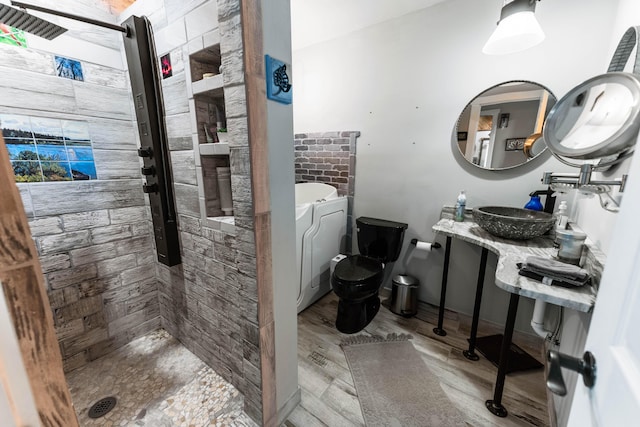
column 470, row 353
column 495, row 405
column 443, row 291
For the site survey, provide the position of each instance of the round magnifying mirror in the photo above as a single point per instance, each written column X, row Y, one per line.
column 494, row 127
column 596, row 119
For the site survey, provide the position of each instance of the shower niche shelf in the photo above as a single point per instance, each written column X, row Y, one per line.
column 210, row 144
column 214, row 149
column 209, row 86
column 216, row 186
column 207, row 89
column 205, row 63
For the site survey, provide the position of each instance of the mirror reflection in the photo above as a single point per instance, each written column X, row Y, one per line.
column 597, row 118
column 497, row 129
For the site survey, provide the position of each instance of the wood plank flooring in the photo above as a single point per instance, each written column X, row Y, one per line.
column 330, row 399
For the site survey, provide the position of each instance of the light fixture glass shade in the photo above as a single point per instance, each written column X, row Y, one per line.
column 515, row 33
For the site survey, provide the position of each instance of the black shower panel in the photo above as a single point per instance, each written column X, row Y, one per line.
column 154, row 148
column 144, row 74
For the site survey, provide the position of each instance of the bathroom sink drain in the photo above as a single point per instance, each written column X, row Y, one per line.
column 102, row 407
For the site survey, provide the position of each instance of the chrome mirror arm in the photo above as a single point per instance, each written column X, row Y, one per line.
column 582, row 179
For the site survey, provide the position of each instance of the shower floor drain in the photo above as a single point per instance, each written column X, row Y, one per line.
column 102, row 407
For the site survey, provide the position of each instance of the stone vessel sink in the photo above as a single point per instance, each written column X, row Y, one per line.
column 513, row 223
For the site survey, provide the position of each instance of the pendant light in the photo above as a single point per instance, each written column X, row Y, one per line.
column 517, row 30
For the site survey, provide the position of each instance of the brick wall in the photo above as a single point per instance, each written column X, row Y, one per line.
column 330, row 158
column 327, row 157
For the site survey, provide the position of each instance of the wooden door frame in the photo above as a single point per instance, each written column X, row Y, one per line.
column 28, row 306
column 253, row 44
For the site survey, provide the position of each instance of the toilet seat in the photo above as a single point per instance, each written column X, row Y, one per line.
column 357, row 276
column 357, row 268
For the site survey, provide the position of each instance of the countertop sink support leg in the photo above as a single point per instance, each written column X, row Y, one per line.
column 443, row 291
column 470, row 353
column 495, row 405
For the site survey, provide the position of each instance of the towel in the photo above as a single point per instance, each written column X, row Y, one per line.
column 552, row 272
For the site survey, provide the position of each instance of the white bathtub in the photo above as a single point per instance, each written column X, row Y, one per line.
column 321, row 226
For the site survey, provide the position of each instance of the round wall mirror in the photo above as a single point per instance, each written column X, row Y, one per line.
column 596, row 119
column 501, row 128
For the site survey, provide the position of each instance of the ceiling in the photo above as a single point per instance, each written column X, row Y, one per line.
column 118, row 6
column 314, row 21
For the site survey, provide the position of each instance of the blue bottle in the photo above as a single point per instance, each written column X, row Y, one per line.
column 534, row 204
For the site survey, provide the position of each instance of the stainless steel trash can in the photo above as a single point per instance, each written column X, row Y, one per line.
column 404, row 295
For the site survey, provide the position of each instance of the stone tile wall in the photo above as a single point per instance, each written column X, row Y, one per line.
column 330, row 158
column 209, row 302
column 93, row 237
column 101, row 282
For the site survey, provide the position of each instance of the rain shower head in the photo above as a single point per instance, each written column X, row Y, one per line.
column 29, row 23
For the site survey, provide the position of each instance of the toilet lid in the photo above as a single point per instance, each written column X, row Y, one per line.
column 357, row 268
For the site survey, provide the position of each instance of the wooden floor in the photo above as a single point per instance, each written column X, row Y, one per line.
column 330, row 399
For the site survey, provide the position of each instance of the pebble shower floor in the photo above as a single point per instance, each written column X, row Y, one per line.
column 158, row 383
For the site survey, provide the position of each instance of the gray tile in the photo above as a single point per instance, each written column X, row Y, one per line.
column 63, row 242
column 85, row 196
column 45, row 226
column 84, row 220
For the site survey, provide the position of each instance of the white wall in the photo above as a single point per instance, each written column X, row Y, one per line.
column 404, row 82
column 597, row 222
column 277, row 43
column 17, row 404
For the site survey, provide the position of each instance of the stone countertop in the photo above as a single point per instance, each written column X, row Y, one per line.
column 511, row 252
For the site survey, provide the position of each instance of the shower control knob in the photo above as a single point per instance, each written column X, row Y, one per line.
column 145, row 152
column 150, row 170
column 150, row 188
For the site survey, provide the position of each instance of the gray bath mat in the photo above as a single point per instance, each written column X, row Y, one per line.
column 395, row 387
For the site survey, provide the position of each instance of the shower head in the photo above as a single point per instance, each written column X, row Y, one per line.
column 29, row 23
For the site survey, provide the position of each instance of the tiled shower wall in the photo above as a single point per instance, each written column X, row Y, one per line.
column 329, row 158
column 210, row 301
column 93, row 237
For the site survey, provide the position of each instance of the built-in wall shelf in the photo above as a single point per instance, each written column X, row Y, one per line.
column 208, row 86
column 223, row 223
column 205, row 61
column 207, row 91
column 214, row 149
column 207, row 104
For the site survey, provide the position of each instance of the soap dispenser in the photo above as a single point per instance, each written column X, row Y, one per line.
column 561, row 216
column 534, row 204
column 461, row 204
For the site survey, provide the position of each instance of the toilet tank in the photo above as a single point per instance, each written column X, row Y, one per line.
column 379, row 238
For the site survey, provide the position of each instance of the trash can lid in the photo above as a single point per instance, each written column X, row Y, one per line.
column 406, row 280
